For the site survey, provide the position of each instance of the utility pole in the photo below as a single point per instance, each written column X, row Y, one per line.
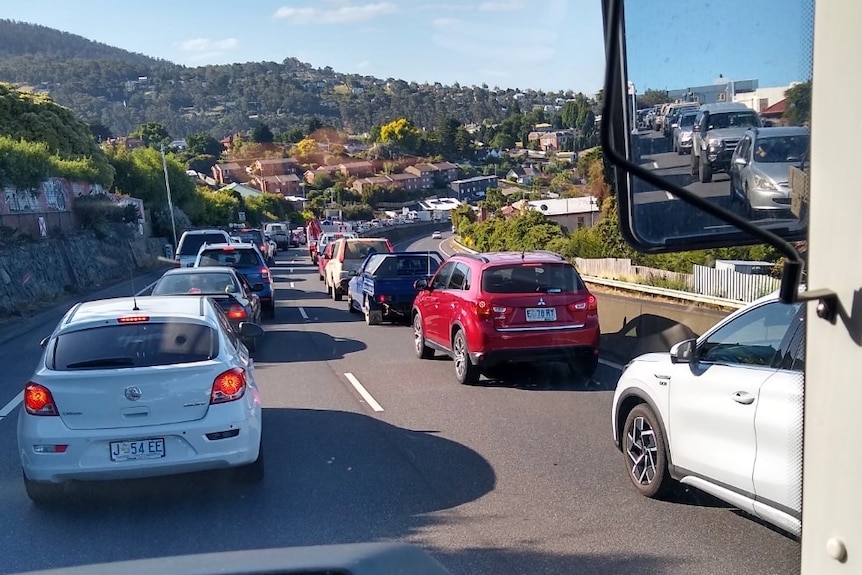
column 170, row 201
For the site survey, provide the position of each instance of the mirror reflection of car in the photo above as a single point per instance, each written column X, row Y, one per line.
column 760, row 167
column 717, row 130
column 737, row 388
column 683, row 132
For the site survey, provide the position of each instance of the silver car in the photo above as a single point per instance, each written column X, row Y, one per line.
column 760, row 167
column 682, row 133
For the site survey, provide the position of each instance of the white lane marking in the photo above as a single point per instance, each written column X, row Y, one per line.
column 7, row 409
column 670, row 196
column 292, row 285
column 655, row 165
column 303, row 314
column 363, row 392
column 612, row 364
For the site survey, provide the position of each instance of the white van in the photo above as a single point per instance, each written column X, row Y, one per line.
column 191, row 242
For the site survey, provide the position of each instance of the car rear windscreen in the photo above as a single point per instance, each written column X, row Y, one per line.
column 250, row 237
column 134, row 345
column 239, row 258
column 532, row 278
column 191, row 244
column 360, row 250
column 205, row 283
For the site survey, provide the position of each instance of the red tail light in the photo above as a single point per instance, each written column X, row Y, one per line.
column 38, row 400
column 590, row 304
column 229, row 386
column 236, row 311
column 264, row 273
column 384, row 298
column 483, row 308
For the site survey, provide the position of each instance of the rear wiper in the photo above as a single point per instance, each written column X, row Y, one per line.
column 103, row 362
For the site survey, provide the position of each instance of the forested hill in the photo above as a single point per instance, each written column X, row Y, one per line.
column 123, row 90
column 24, row 39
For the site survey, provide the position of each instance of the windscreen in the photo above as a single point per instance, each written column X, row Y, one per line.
column 191, row 244
column 242, row 258
column 205, row 283
column 532, row 278
column 360, row 250
column 395, row 266
column 135, row 345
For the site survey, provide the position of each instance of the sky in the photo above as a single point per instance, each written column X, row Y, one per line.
column 527, row 44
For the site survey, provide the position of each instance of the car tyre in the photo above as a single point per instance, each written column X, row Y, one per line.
column 268, row 311
column 372, row 317
column 645, row 452
column 43, row 493
column 422, row 350
column 585, row 366
column 705, row 171
column 254, row 471
column 465, row 372
column 351, row 308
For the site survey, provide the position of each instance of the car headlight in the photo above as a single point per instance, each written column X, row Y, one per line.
column 762, row 183
column 685, row 137
column 715, row 143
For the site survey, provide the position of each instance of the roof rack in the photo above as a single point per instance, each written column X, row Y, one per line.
column 479, row 257
column 550, row 253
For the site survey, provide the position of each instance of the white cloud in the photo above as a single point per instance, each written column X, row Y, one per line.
column 503, row 5
column 492, row 43
column 444, row 22
column 338, row 15
column 199, row 45
column 205, row 49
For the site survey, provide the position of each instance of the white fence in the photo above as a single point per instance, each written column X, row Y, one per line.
column 706, row 281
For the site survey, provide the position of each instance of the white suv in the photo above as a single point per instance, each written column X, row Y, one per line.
column 192, row 241
column 722, row 413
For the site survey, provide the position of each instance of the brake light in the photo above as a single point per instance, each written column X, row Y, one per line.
column 227, row 249
column 229, row 386
column 236, row 311
column 38, row 400
column 483, row 308
column 384, row 298
column 133, row 319
column 590, row 304
column 264, row 273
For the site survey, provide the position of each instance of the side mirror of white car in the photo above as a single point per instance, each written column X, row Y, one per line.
column 683, row 352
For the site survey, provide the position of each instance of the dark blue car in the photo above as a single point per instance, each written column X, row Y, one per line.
column 383, row 289
column 247, row 260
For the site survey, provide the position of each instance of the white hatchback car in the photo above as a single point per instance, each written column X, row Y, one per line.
column 436, row 235
column 722, row 413
column 131, row 388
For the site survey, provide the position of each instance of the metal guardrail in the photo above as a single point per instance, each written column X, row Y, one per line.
column 641, row 288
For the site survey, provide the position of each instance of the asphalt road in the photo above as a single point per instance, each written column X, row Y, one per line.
column 500, row 478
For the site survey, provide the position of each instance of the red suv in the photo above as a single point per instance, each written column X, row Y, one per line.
column 486, row 310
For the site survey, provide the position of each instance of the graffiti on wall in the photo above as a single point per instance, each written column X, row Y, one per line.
column 52, row 195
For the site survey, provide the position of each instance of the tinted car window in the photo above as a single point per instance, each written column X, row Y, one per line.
column 231, row 257
column 196, row 283
column 531, row 278
column 134, row 345
column 250, row 237
column 753, row 338
column 191, row 243
column 360, row 250
column 440, row 280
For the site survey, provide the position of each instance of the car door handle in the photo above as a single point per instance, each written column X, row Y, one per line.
column 743, row 397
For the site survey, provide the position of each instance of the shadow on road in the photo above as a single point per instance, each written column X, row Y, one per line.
column 646, row 333
column 291, row 346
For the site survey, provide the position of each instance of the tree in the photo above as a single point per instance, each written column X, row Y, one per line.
column 313, row 125
column 261, row 134
column 100, row 131
column 402, row 134
column 652, row 97
column 798, row 110
column 304, row 148
column 153, row 134
column 203, row 144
